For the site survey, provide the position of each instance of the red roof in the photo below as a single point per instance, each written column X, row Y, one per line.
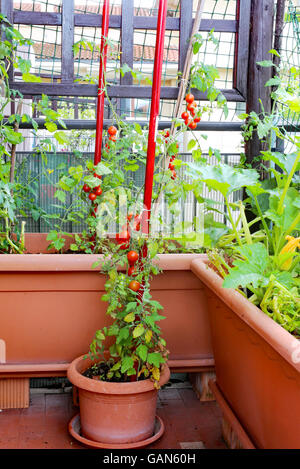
column 114, row 10
column 27, row 6
column 144, row 52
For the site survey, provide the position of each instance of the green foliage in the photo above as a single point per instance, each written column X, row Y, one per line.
column 137, row 348
column 263, row 260
column 17, row 200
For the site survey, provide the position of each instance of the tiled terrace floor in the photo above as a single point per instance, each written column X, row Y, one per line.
column 189, row 423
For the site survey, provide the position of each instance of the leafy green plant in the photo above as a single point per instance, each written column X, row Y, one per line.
column 112, row 206
column 123, row 158
column 264, row 261
column 17, row 199
column 138, row 349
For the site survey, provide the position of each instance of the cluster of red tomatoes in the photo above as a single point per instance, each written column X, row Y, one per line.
column 133, row 257
column 189, row 116
column 112, row 132
column 172, row 157
column 97, row 191
column 93, row 193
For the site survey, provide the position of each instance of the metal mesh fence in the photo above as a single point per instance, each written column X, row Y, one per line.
column 42, row 177
column 289, row 67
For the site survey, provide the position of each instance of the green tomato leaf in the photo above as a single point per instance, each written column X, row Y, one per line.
column 127, row 364
column 142, row 352
column 138, row 331
column 155, row 359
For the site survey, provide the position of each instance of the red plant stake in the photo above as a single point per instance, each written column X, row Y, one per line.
column 159, row 49
column 101, row 94
column 153, row 123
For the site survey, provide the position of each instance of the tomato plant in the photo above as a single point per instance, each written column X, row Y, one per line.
column 138, row 351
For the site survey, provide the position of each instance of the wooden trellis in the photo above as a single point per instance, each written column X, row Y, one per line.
column 127, row 23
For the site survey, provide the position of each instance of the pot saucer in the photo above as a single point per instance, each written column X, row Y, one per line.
column 75, row 430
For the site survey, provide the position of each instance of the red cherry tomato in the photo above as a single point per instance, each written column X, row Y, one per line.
column 112, row 130
column 174, row 175
column 192, row 125
column 113, row 138
column 189, row 98
column 197, row 119
column 134, row 285
column 132, row 257
column 172, row 158
column 98, row 191
column 171, row 166
column 166, row 134
column 92, row 196
column 184, row 115
column 193, row 112
column 132, row 271
column 129, row 216
column 191, row 107
column 86, row 188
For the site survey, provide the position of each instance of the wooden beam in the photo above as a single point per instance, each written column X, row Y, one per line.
column 37, row 18
column 127, row 40
column 261, row 41
column 115, row 21
column 121, row 91
column 67, row 40
column 240, row 78
column 186, row 25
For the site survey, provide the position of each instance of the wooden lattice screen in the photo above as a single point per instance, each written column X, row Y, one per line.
column 127, row 23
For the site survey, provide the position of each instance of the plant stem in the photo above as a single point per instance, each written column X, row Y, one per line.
column 232, row 222
column 287, row 184
column 294, row 224
column 248, row 236
column 271, row 241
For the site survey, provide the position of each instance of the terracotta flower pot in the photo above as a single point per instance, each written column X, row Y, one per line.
column 115, row 413
column 257, row 365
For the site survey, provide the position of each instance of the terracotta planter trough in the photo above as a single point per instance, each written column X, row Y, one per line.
column 257, row 368
column 50, row 307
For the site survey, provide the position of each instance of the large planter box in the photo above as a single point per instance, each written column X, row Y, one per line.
column 50, row 307
column 257, row 366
